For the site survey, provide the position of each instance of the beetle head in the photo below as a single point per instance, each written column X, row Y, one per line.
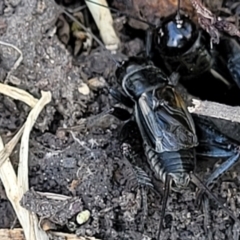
column 176, row 35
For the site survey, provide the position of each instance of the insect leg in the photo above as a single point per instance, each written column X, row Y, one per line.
column 207, row 220
column 137, row 178
column 149, row 42
column 164, row 204
column 141, row 177
column 125, row 116
column 201, row 199
column 230, row 49
column 219, row 68
column 120, row 97
column 213, row 144
column 99, row 120
column 202, row 186
column 145, row 209
column 120, row 113
column 225, row 166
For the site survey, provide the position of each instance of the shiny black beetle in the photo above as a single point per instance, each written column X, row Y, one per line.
column 181, row 46
column 170, row 136
column 187, row 49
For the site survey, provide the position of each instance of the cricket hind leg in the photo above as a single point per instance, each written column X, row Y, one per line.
column 230, row 50
column 119, row 112
column 213, row 144
column 149, row 43
column 126, row 130
column 120, row 97
column 100, row 120
column 137, row 180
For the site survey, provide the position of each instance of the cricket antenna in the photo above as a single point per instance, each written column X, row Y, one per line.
column 122, row 13
column 201, row 185
column 164, row 204
column 119, row 64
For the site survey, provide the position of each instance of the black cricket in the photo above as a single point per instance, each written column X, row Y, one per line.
column 169, row 133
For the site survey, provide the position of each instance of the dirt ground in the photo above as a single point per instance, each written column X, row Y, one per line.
column 87, row 162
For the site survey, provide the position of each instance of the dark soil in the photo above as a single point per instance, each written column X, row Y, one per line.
column 87, row 163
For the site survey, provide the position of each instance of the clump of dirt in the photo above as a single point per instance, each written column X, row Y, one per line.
column 86, row 161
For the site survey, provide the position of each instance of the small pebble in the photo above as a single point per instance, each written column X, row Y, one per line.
column 84, row 89
column 83, row 217
column 97, row 83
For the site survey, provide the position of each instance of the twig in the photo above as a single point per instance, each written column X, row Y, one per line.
column 215, row 110
column 55, row 196
column 17, row 234
column 15, row 186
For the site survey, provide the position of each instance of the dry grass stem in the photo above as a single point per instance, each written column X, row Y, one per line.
column 19, row 60
column 18, row 94
column 23, row 157
column 54, row 196
column 6, row 152
column 16, row 186
column 104, row 22
column 17, row 234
